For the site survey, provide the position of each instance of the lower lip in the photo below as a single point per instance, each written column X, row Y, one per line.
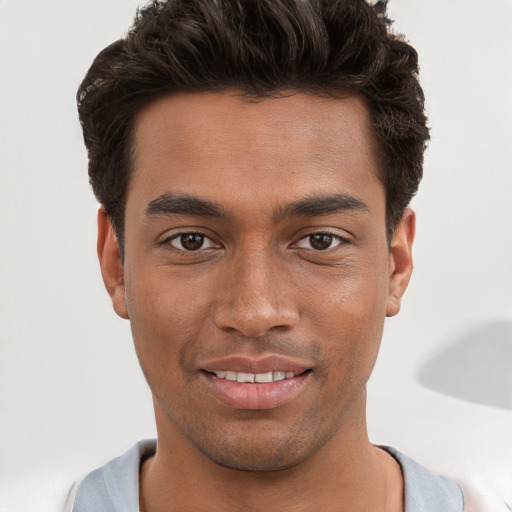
column 256, row 396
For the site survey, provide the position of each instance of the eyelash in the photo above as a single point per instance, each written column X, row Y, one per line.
column 340, row 239
column 177, row 236
column 168, row 241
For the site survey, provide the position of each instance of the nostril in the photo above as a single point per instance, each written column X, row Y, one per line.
column 253, row 321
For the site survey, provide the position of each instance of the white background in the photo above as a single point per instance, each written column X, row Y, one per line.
column 71, row 392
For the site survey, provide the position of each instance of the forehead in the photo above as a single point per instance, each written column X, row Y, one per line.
column 293, row 145
column 328, row 124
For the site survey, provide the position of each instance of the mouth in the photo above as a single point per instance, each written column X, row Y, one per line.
column 258, row 378
column 242, row 383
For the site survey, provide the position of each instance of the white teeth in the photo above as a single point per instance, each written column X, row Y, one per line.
column 263, row 377
column 254, row 377
column 245, row 377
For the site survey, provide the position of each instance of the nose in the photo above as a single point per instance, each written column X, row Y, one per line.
column 256, row 296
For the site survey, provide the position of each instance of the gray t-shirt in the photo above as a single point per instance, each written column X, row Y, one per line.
column 115, row 486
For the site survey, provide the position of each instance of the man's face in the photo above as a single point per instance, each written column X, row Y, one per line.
column 255, row 249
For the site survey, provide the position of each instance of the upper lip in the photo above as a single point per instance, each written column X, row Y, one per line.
column 262, row 364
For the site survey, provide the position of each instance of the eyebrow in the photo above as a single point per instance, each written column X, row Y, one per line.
column 313, row 206
column 182, row 204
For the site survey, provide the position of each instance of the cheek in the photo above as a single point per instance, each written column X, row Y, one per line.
column 167, row 319
column 348, row 312
column 163, row 300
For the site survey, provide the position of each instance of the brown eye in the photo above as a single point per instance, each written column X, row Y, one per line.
column 191, row 242
column 319, row 241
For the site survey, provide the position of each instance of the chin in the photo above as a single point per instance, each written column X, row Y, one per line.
column 265, row 452
column 262, row 462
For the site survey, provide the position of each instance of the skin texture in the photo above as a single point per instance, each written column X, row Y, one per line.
column 258, row 286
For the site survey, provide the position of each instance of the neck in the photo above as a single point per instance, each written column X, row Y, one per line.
column 348, row 474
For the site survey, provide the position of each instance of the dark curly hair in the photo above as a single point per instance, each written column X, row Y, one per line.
column 259, row 47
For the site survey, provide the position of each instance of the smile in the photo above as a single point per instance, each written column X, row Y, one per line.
column 264, row 382
column 266, row 390
column 259, row 378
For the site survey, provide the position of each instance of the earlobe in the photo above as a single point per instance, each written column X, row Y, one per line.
column 400, row 261
column 111, row 265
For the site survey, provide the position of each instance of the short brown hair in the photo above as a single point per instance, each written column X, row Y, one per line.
column 260, row 47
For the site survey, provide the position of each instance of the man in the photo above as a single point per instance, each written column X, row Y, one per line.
column 254, row 161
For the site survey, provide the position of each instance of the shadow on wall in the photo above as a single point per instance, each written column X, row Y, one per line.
column 476, row 367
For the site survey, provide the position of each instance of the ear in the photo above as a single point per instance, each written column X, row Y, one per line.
column 400, row 261
column 110, row 262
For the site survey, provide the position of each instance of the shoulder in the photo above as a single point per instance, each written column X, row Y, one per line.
column 425, row 491
column 430, row 492
column 114, row 486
